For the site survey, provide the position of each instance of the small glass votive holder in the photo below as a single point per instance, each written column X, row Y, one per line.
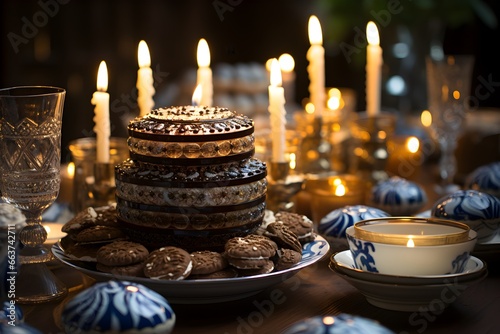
column 329, row 192
column 94, row 183
column 370, row 154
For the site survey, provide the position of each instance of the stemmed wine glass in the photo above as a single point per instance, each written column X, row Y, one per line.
column 30, row 141
column 448, row 88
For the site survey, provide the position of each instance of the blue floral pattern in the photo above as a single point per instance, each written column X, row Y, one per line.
column 471, row 206
column 118, row 306
column 398, row 196
column 460, row 262
column 362, row 254
column 485, row 178
column 336, row 222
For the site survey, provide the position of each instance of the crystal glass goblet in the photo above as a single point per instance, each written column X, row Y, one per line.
column 30, row 142
column 448, row 93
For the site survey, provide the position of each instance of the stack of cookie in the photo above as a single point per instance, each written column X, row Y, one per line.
column 125, row 258
column 89, row 230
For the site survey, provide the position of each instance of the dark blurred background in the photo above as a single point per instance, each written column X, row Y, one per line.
column 61, row 42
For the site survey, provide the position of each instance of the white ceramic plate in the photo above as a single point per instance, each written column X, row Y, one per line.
column 409, row 297
column 204, row 291
column 344, row 263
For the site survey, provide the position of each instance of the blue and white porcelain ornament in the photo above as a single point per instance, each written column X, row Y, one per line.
column 398, row 196
column 485, row 179
column 118, row 307
column 337, row 221
column 342, row 323
column 479, row 210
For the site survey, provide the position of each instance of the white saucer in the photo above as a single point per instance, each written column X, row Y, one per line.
column 344, row 263
column 408, row 294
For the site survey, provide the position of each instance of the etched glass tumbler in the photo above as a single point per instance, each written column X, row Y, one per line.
column 448, row 94
column 30, row 142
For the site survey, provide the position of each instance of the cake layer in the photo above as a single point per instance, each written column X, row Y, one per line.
column 199, row 197
column 190, row 218
column 189, row 240
column 210, row 176
column 177, row 135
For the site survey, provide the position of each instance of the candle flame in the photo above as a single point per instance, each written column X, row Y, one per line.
column 287, row 63
column 203, row 54
column 143, row 55
column 309, row 107
column 315, row 33
column 426, row 118
column 197, row 94
column 275, row 73
column 410, row 243
column 372, row 33
column 412, row 144
column 71, row 169
column 293, row 161
column 340, row 190
column 334, row 99
column 328, row 320
column 102, row 77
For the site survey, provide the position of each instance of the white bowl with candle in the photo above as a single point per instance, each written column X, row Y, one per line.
column 410, row 246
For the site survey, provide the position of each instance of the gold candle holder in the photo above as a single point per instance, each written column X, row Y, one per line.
column 329, row 192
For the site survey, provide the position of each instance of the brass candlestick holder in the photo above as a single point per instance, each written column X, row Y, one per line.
column 282, row 186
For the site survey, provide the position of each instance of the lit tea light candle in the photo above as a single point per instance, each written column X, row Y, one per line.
column 204, row 74
column 196, row 98
column 333, row 192
column 145, row 87
column 54, row 232
column 373, row 70
column 278, row 113
column 100, row 99
column 316, row 67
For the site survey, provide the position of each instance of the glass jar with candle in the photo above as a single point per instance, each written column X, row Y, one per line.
column 93, row 183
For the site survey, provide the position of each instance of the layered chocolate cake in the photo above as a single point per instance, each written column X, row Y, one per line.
column 191, row 180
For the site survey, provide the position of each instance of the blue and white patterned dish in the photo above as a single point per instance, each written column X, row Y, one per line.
column 118, row 307
column 342, row 323
column 398, row 196
column 336, row 222
column 400, row 294
column 486, row 179
column 344, row 263
column 204, row 291
column 481, row 211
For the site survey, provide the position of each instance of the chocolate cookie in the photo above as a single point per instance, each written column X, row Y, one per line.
column 301, row 225
column 121, row 253
column 264, row 269
column 207, row 262
column 287, row 258
column 79, row 252
column 134, row 270
column 283, row 236
column 104, row 215
column 250, row 252
column 168, row 263
column 99, row 234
